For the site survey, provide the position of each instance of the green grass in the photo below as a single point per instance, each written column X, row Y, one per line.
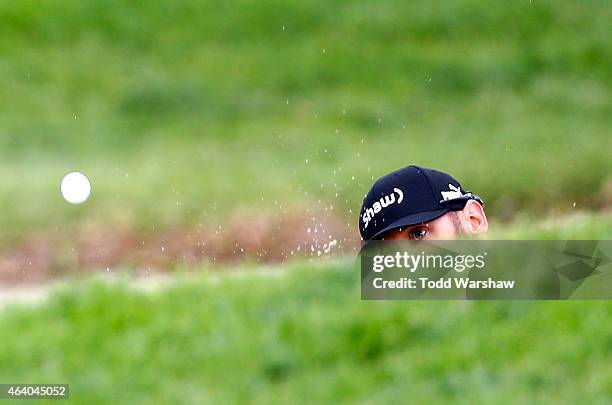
column 182, row 112
column 240, row 104
column 580, row 226
column 301, row 337
column 301, row 334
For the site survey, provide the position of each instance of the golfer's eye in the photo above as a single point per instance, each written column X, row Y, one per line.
column 417, row 234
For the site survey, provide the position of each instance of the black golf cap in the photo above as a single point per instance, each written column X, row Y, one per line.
column 409, row 196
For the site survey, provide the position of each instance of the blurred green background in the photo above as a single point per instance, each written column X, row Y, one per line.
column 240, row 104
column 305, row 337
column 184, row 112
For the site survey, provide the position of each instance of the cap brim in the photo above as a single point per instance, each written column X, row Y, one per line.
column 412, row 219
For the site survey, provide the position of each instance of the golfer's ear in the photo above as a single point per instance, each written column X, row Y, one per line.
column 475, row 217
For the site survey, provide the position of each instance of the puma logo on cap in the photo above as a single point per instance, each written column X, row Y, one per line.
column 454, row 192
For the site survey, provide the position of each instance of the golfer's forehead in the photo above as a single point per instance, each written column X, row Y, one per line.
column 443, row 223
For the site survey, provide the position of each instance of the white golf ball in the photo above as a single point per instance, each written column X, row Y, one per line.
column 75, row 188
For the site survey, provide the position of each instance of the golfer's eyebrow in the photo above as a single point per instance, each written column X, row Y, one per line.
column 410, row 228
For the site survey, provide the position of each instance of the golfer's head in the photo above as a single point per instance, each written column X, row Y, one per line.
column 417, row 203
